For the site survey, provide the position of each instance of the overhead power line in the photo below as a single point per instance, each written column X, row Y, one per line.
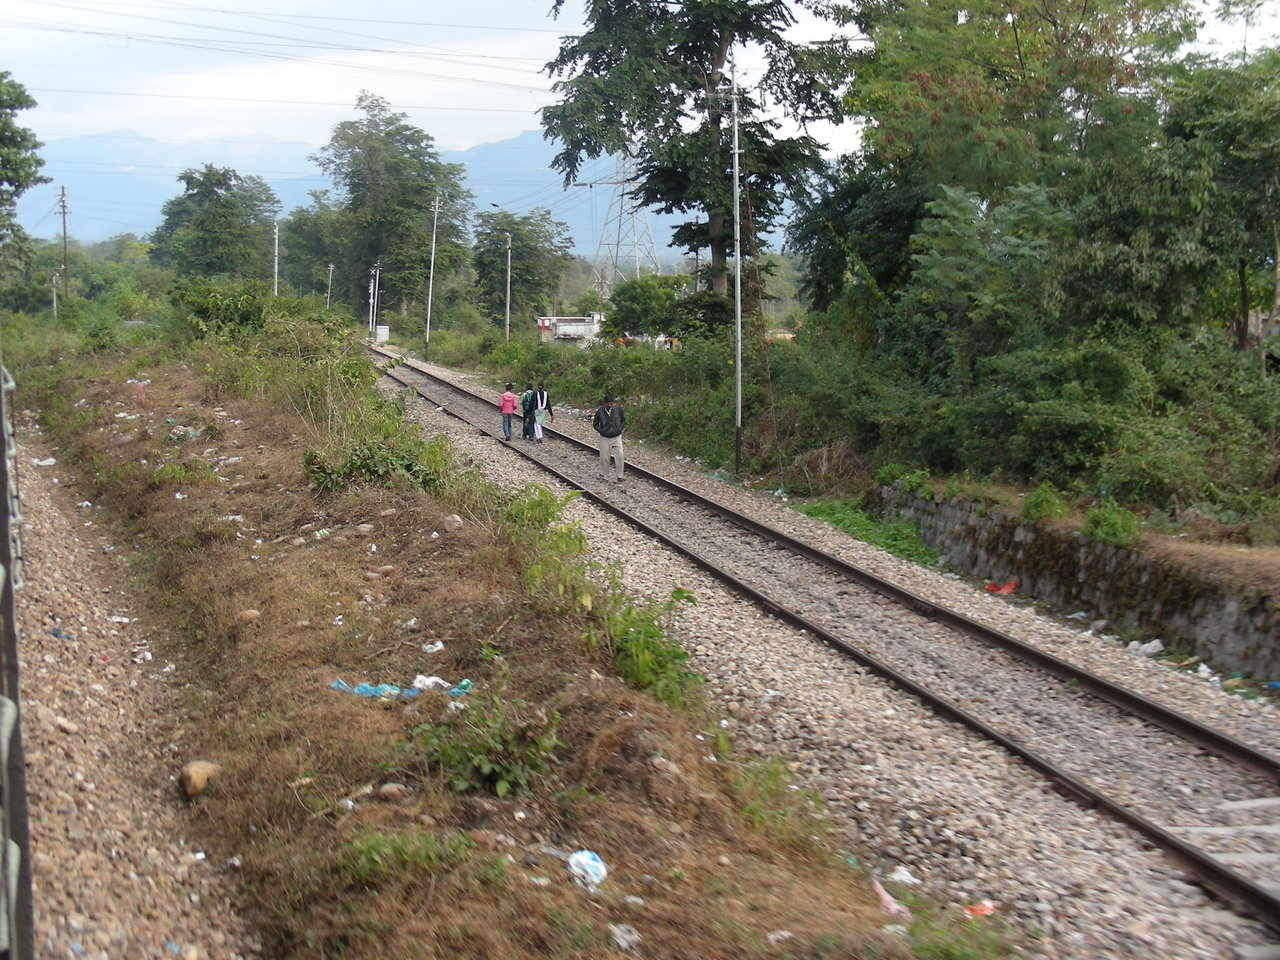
column 288, row 40
column 219, row 46
column 398, row 23
column 299, row 103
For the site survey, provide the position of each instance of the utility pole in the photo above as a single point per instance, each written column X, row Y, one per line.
column 56, row 275
column 372, row 271
column 507, row 325
column 737, row 288
column 375, row 295
column 328, row 293
column 431, row 272
column 275, row 260
column 62, row 208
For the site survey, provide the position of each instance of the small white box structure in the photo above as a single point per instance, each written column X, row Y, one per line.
column 580, row 330
column 382, row 334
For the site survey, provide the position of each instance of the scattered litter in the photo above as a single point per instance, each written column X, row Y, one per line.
column 321, row 534
column 633, row 900
column 139, row 383
column 770, row 693
column 347, row 804
column 127, row 416
column 47, row 462
column 1148, row 649
column 60, row 634
column 233, row 518
column 456, row 705
column 119, row 619
column 896, row 929
column 853, row 861
column 890, row 905
column 520, row 815
column 172, row 947
column 779, row 936
column 1273, row 685
column 409, row 625
column 587, row 869
column 421, row 682
column 1204, row 671
column 378, row 691
column 555, row 852
column 179, row 496
column 983, row 908
column 460, row 688
column 1079, row 615
column 624, row 936
column 435, row 535
column 434, row 647
column 540, row 881
column 234, row 863
column 337, row 621
column 902, row 875
column 1002, row 589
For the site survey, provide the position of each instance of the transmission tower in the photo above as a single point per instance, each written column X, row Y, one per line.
column 626, row 241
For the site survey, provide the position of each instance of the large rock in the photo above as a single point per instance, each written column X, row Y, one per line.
column 197, row 776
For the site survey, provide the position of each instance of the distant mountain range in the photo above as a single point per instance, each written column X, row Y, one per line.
column 116, row 182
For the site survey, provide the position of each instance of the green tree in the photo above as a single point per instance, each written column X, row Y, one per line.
column 539, row 256
column 1232, row 108
column 221, row 223
column 987, row 94
column 388, row 174
column 20, row 165
column 311, row 238
column 649, row 79
column 643, row 305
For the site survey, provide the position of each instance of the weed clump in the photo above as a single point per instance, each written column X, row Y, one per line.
column 910, row 479
column 496, row 744
column 373, row 857
column 1110, row 523
column 645, row 655
column 1044, row 503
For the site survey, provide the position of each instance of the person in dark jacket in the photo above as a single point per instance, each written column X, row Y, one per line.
column 526, row 408
column 609, row 422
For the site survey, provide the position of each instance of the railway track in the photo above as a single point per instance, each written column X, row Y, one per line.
column 1207, row 798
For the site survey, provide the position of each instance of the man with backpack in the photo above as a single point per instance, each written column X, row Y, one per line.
column 609, row 422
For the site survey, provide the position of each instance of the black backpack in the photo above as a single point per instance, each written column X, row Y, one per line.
column 608, row 421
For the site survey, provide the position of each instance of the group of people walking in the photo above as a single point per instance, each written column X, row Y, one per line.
column 535, row 410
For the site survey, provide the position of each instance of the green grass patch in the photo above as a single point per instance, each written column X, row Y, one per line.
column 375, row 857
column 1111, row 524
column 899, row 537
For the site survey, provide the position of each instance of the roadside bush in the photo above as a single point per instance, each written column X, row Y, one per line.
column 1110, row 523
column 374, row 857
column 900, row 537
column 1044, row 503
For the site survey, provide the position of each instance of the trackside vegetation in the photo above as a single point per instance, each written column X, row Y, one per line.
column 430, row 825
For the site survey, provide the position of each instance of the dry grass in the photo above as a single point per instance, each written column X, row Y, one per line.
column 429, row 877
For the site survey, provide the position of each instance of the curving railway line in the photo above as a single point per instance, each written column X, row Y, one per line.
column 1209, row 799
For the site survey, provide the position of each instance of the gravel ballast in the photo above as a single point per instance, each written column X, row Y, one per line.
column 113, row 876
column 905, row 786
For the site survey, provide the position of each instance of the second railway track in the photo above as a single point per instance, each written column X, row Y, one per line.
column 1178, row 782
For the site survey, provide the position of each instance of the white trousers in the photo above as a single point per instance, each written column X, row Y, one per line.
column 611, row 446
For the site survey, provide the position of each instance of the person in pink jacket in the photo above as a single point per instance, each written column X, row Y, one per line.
column 507, row 407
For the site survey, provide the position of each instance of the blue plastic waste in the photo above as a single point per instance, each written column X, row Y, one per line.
column 461, row 687
column 587, row 869
column 1274, row 685
column 374, row 691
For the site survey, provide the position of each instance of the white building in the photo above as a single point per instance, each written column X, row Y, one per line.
column 580, row 330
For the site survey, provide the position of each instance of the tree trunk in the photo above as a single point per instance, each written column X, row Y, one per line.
column 1242, row 322
column 1275, row 295
column 720, row 241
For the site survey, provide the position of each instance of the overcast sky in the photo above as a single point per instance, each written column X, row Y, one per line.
column 479, row 59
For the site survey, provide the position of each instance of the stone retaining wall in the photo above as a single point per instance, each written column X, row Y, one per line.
column 1233, row 628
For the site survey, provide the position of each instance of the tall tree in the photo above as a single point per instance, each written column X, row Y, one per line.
column 19, row 167
column 649, row 79
column 388, row 173
column 1233, row 109
column 221, row 223
column 987, row 93
column 539, row 257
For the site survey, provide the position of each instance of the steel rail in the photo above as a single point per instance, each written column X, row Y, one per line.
column 1214, row 875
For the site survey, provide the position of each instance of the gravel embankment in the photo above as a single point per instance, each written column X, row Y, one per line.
column 113, row 875
column 905, row 786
